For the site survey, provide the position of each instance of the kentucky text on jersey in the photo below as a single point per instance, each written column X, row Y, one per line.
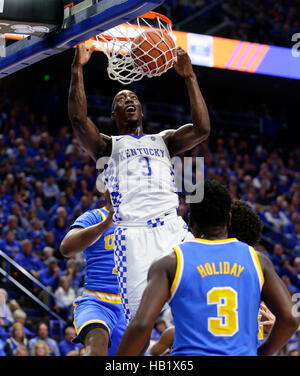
column 224, row 267
column 128, row 153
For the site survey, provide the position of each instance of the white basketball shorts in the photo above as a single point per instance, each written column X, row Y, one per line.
column 137, row 247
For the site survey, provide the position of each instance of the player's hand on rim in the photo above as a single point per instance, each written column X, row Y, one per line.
column 82, row 54
column 183, row 64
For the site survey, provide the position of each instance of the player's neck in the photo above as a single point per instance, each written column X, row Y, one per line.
column 136, row 130
column 212, row 233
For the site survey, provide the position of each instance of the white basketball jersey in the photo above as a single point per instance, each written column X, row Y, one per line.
column 140, row 178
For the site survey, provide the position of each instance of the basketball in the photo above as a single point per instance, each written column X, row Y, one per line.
column 153, row 51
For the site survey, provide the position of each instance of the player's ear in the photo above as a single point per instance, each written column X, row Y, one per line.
column 112, row 115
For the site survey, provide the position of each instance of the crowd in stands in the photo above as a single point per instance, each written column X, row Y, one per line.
column 262, row 21
column 47, row 181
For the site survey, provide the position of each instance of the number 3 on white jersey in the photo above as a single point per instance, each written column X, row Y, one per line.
column 226, row 323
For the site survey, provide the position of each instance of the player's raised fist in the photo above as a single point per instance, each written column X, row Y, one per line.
column 82, row 54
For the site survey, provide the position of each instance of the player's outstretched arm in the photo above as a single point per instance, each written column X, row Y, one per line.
column 189, row 135
column 278, row 300
column 156, row 294
column 86, row 132
column 79, row 238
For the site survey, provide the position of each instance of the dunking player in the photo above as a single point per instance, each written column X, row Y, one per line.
column 139, row 174
column 214, row 285
column 98, row 314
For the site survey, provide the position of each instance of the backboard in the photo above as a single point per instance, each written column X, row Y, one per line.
column 82, row 21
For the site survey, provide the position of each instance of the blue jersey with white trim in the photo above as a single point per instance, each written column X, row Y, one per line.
column 99, row 257
column 215, row 298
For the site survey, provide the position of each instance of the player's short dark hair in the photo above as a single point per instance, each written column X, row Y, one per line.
column 245, row 225
column 214, row 209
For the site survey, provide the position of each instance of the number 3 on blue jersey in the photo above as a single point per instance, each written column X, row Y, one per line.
column 226, row 323
column 148, row 171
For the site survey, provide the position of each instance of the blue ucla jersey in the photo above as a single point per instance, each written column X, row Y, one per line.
column 99, row 256
column 215, row 298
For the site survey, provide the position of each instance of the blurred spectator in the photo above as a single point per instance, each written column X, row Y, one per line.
column 2, row 345
column 66, row 347
column 65, row 295
column 39, row 192
column 287, row 270
column 13, row 305
column 38, row 244
column 40, row 348
column 50, row 188
column 276, row 218
column 17, row 338
column 50, row 239
column 20, row 316
column 42, row 335
column 40, row 210
column 84, row 205
column 293, row 240
column 6, row 317
column 32, row 170
column 277, row 256
column 12, row 224
column 297, row 267
column 9, row 245
column 50, row 276
column 48, row 252
column 60, row 229
column 75, row 275
column 3, row 217
column 287, row 281
column 20, row 213
column 294, row 347
column 28, row 260
column 22, row 351
column 289, row 228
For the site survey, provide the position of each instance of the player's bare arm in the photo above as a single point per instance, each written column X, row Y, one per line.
column 164, row 343
column 157, row 293
column 189, row 135
column 86, row 132
column 278, row 300
column 78, row 239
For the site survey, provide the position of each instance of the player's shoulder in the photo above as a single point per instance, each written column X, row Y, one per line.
column 166, row 133
column 106, row 137
column 265, row 263
column 100, row 213
column 93, row 215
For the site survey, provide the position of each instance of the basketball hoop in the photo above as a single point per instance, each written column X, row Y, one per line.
column 143, row 47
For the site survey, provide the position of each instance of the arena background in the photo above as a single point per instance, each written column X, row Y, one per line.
column 254, row 121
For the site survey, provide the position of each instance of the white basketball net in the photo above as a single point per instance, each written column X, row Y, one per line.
column 119, row 45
